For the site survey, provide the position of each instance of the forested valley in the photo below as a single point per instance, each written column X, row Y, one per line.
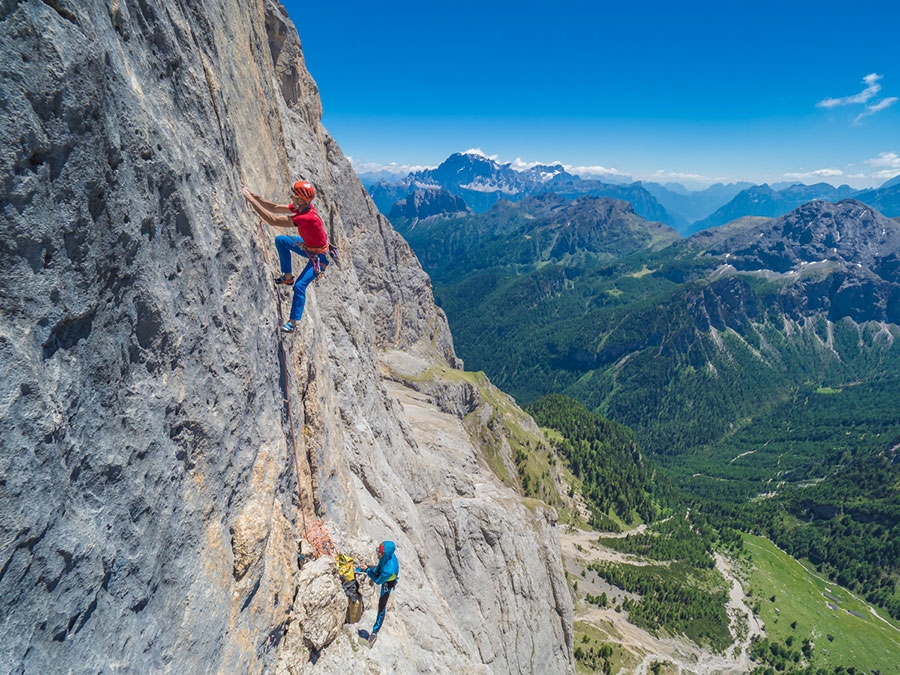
column 743, row 380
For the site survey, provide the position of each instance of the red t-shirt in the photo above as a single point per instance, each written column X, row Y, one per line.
column 310, row 227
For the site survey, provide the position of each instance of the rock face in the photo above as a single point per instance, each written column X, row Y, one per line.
column 162, row 450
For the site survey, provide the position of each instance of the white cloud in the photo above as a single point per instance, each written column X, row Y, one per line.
column 886, row 165
column 520, row 164
column 594, row 171
column 660, row 174
column 817, row 174
column 393, row 167
column 882, row 104
column 877, row 107
column 862, row 98
column 481, row 153
column 871, row 89
column 885, row 174
column 887, row 160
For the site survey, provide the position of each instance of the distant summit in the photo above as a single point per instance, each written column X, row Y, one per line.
column 525, row 235
column 481, row 182
column 693, row 205
column 886, row 198
column 763, row 200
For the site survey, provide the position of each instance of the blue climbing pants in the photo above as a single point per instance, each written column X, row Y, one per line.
column 386, row 589
column 285, row 245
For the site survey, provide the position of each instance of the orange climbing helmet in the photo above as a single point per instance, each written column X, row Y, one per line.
column 304, row 190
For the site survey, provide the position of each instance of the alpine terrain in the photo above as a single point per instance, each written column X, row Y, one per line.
column 176, row 479
column 756, row 364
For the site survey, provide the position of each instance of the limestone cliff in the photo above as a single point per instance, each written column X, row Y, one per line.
column 163, row 452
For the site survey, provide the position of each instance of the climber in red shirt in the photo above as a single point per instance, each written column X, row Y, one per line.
column 311, row 242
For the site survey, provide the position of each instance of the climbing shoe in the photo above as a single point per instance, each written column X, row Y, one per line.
column 372, row 638
column 285, row 280
column 287, row 327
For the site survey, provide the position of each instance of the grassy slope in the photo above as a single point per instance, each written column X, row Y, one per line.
column 866, row 643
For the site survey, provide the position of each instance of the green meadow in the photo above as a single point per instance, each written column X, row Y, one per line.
column 798, row 606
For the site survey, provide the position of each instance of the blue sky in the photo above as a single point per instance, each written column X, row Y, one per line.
column 695, row 92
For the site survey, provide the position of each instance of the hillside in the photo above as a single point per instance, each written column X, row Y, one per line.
column 713, row 350
column 527, row 234
column 821, row 261
column 168, row 461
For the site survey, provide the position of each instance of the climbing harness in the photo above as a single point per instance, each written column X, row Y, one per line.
column 313, row 253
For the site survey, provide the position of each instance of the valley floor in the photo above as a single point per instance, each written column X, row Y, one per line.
column 641, row 649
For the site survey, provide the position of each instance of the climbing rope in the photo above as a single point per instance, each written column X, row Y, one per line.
column 314, row 531
column 320, row 540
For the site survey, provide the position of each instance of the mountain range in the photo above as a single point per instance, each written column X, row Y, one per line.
column 627, row 317
column 757, row 360
column 546, row 228
column 178, row 476
column 480, row 182
column 762, row 200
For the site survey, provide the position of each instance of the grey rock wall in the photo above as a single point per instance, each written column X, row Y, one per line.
column 154, row 482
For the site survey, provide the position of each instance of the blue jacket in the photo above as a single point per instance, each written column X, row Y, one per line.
column 388, row 567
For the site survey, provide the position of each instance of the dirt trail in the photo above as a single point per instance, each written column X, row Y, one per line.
column 581, row 548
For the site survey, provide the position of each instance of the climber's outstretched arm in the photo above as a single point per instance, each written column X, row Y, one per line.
column 276, row 215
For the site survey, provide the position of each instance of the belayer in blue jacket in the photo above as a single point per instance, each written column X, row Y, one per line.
column 385, row 573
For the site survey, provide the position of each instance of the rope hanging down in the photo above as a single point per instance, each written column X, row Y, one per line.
column 287, row 385
column 314, row 532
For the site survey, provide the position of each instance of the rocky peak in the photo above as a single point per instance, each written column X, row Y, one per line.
column 164, row 451
column 841, row 259
column 474, row 172
column 547, row 171
column 848, row 231
column 458, row 168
